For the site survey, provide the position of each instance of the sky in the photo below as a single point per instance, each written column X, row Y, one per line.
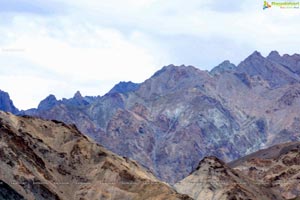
column 62, row 46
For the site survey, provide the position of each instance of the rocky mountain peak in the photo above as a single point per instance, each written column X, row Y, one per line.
column 77, row 95
column 225, row 66
column 256, row 55
column 6, row 103
column 124, row 87
column 276, row 70
column 173, row 69
column 48, row 102
column 289, row 62
column 274, row 55
column 172, row 79
column 253, row 64
column 225, row 62
column 50, row 98
column 78, row 100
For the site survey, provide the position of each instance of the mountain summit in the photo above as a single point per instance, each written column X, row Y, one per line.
column 6, row 103
column 225, row 66
column 270, row 70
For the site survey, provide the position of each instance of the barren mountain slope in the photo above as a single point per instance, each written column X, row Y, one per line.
column 51, row 160
column 278, row 167
column 214, row 180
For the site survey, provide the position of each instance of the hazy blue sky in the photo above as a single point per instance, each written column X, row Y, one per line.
column 62, row 46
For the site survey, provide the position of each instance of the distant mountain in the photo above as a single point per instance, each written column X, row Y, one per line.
column 181, row 114
column 6, row 103
column 270, row 69
column 51, row 160
column 291, row 62
column 225, row 66
column 77, row 101
column 124, row 87
column 48, row 103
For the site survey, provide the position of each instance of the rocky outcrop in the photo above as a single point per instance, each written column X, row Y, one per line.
column 51, row 160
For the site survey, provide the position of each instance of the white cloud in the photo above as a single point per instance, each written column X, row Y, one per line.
column 243, row 23
column 78, row 54
column 91, row 45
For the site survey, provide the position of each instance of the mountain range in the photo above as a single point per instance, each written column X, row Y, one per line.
column 48, row 159
column 182, row 114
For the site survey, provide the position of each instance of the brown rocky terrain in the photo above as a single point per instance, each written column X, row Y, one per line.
column 214, row 180
column 272, row 173
column 42, row 159
column 277, row 167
